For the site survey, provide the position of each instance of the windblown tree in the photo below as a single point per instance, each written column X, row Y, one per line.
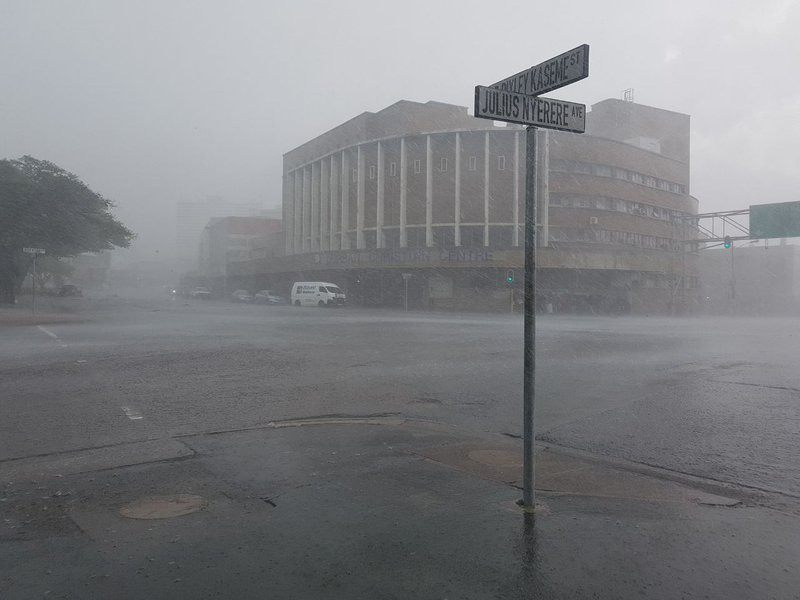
column 44, row 206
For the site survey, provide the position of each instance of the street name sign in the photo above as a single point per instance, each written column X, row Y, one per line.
column 33, row 250
column 550, row 75
column 491, row 103
column 516, row 99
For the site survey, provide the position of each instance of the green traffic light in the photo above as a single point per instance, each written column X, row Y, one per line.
column 727, row 242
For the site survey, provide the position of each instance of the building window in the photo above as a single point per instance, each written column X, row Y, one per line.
column 393, row 169
column 501, row 237
column 501, row 163
column 415, row 237
column 472, row 235
column 443, row 165
column 417, row 166
column 444, row 237
column 602, row 170
column 391, row 238
column 473, row 163
column 372, row 171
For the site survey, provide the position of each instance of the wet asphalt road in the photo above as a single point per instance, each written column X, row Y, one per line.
column 717, row 398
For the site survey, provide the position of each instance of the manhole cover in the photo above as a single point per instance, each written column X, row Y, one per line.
column 163, row 507
column 496, row 458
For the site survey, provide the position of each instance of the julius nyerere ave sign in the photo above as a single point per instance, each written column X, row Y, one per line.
column 517, row 99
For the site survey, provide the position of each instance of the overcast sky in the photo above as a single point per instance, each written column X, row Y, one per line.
column 153, row 102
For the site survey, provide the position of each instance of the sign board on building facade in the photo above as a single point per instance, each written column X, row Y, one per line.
column 780, row 220
column 550, row 75
column 512, row 107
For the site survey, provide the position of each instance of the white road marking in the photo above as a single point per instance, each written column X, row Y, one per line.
column 48, row 332
column 131, row 413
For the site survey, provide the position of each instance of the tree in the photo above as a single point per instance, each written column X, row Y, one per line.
column 44, row 206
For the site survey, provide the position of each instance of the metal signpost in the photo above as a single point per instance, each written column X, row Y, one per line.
column 516, row 100
column 35, row 252
column 406, row 277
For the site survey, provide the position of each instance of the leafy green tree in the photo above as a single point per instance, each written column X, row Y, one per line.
column 44, row 206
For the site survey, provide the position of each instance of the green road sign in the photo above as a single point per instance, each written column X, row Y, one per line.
column 779, row 220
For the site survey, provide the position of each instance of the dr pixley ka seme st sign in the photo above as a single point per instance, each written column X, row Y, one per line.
column 561, row 70
column 491, row 103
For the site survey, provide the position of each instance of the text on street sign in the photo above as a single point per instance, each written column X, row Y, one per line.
column 33, row 250
column 529, row 110
column 550, row 75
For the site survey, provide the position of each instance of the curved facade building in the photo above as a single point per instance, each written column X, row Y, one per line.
column 425, row 195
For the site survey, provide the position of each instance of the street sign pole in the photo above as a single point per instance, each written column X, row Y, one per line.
column 517, row 99
column 33, row 287
column 34, row 252
column 529, row 352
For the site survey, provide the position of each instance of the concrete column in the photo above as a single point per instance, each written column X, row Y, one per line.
column 380, row 199
column 361, row 182
column 315, row 220
column 306, row 209
column 486, row 189
column 515, row 239
column 288, row 213
column 457, row 214
column 403, row 193
column 336, row 242
column 428, row 192
column 324, row 205
column 298, row 212
column 345, row 200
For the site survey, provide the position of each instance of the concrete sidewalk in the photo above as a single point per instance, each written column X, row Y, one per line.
column 379, row 508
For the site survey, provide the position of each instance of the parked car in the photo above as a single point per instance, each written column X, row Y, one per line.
column 201, row 293
column 267, row 297
column 241, row 296
column 70, row 290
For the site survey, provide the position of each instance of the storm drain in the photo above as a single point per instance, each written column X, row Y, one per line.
column 163, row 507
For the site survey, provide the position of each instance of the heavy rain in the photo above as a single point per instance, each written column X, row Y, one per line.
column 294, row 303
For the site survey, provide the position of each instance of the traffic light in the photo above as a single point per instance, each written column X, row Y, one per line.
column 727, row 242
column 510, row 276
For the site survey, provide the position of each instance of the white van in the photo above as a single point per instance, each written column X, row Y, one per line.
column 317, row 293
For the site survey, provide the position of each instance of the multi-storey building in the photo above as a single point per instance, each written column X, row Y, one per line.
column 428, row 191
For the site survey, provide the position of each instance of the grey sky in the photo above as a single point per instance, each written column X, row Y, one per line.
column 151, row 102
